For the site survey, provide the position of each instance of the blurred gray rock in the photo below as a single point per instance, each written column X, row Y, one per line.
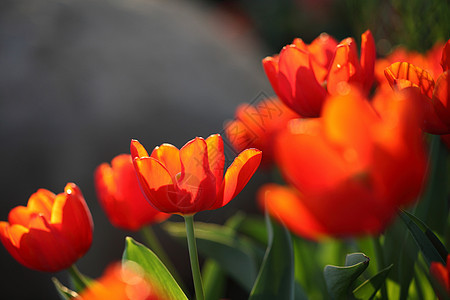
column 80, row 78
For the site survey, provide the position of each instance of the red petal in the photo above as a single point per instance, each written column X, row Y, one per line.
column 285, row 204
column 196, row 177
column 41, row 202
column 368, row 57
column 157, row 184
column 270, row 65
column 238, row 175
column 298, row 85
column 216, row 157
column 441, row 98
column 137, row 150
column 169, row 156
column 345, row 67
column 445, row 60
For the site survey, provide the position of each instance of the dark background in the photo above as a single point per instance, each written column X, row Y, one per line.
column 80, row 78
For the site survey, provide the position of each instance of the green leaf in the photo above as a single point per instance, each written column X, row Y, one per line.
column 63, row 292
column 432, row 249
column 255, row 228
column 369, row 288
column 154, row 268
column 237, row 255
column 340, row 279
column 276, row 276
column 213, row 280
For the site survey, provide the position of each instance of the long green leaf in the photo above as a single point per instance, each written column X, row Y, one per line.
column 237, row 255
column 214, row 280
column 276, row 276
column 340, row 279
column 154, row 268
column 369, row 288
column 432, row 248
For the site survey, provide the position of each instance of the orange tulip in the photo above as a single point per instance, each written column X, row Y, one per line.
column 435, row 100
column 257, row 126
column 124, row 281
column 121, row 197
column 51, row 232
column 442, row 274
column 303, row 75
column 191, row 179
column 352, row 168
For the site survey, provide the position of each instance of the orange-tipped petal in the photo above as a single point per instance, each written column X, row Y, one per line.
column 400, row 73
column 345, row 66
column 41, row 202
column 286, row 206
column 445, row 59
column 238, row 175
column 196, row 177
column 137, row 150
column 368, row 57
column 156, row 183
column 322, row 52
column 216, row 157
column 298, row 85
column 169, row 156
column 441, row 97
column 20, row 215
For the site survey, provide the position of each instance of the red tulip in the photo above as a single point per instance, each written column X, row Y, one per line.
column 191, row 179
column 121, row 197
column 51, row 232
column 124, row 281
column 303, row 75
column 352, row 168
column 435, row 100
column 442, row 274
column 257, row 126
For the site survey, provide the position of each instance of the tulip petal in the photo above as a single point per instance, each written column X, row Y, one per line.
column 345, row 67
column 137, row 150
column 20, row 215
column 368, row 57
column 445, row 59
column 238, row 175
column 169, row 156
column 441, row 97
column 10, row 244
column 41, row 202
column 196, row 177
column 216, row 157
column 270, row 65
column 297, row 83
column 306, row 160
column 403, row 74
column 286, row 206
column 322, row 52
column 157, row 184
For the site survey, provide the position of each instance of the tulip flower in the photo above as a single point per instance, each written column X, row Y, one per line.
column 124, row 281
column 191, row 179
column 435, row 97
column 121, row 197
column 351, row 169
column 304, row 75
column 257, row 126
column 51, row 232
column 442, row 274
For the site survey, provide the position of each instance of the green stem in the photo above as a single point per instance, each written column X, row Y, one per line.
column 79, row 280
column 380, row 263
column 153, row 243
column 189, row 221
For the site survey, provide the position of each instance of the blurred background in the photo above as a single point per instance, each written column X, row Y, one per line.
column 80, row 78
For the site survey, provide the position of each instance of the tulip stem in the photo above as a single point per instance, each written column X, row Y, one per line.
column 80, row 281
column 189, row 221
